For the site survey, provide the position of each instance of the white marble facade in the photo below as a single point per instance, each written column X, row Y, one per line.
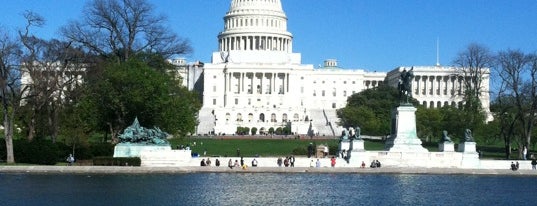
column 255, row 79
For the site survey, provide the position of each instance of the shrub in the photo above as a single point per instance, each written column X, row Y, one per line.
column 254, row 130
column 41, row 152
column 102, row 149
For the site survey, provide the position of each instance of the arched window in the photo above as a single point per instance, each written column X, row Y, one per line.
column 262, row 117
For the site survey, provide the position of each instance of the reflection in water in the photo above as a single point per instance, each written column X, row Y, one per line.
column 265, row 189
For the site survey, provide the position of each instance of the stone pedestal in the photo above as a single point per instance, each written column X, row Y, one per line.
column 345, row 145
column 446, row 147
column 467, row 147
column 358, row 145
column 470, row 157
column 403, row 136
column 134, row 150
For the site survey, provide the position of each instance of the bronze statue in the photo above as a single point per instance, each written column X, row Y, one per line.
column 357, row 134
column 405, row 85
column 468, row 136
column 140, row 135
column 445, row 137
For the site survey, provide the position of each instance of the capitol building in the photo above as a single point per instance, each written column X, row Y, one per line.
column 255, row 79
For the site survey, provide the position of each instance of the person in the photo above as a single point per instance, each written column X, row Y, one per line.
column 279, row 161
column 517, row 165
column 325, row 151
column 70, row 159
column 254, row 163
column 513, row 166
column 525, row 152
column 242, row 161
column 377, row 163
column 286, row 162
column 363, row 164
column 236, row 164
column 217, row 163
column 292, row 161
column 244, row 166
column 202, row 163
column 373, row 164
column 533, row 164
column 318, row 163
column 333, row 161
column 230, row 164
column 208, row 162
column 311, row 163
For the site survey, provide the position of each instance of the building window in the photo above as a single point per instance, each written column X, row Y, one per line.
column 249, row 101
column 333, row 105
column 344, row 93
column 214, row 77
column 344, row 82
column 236, row 101
column 353, row 82
column 323, row 93
column 214, row 101
column 214, row 88
column 302, row 90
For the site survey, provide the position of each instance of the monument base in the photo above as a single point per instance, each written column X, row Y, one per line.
column 467, row 147
column 446, row 147
column 404, row 137
column 134, row 150
column 358, row 145
column 470, row 157
column 344, row 145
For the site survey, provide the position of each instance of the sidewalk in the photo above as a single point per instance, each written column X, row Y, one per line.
column 223, row 169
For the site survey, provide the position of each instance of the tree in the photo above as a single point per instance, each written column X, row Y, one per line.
column 473, row 65
column 49, row 70
column 132, row 89
column 10, row 52
column 518, row 74
column 123, row 28
column 429, row 123
column 370, row 110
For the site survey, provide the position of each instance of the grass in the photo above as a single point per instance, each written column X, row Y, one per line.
column 284, row 147
column 249, row 147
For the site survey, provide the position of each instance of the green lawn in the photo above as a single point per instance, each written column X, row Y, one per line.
column 250, row 147
column 284, row 147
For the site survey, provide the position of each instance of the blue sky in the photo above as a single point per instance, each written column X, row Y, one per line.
column 375, row 35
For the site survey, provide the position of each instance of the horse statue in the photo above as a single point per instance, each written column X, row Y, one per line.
column 405, row 85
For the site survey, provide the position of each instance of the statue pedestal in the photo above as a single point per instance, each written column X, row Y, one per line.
column 446, row 147
column 358, row 145
column 467, row 147
column 403, row 136
column 344, row 145
column 470, row 157
column 134, row 150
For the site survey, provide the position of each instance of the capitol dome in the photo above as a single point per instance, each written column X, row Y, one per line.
column 255, row 25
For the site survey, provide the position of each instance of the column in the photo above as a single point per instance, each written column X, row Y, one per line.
column 242, row 82
column 417, row 89
column 286, row 88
